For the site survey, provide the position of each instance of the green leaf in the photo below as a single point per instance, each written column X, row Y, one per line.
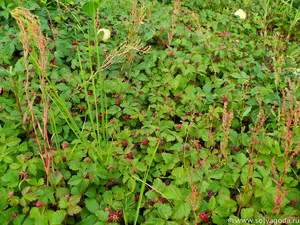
column 173, row 192
column 11, row 178
column 181, row 210
column 92, row 205
column 241, row 159
column 63, row 203
column 73, row 209
column 74, row 199
column 247, row 213
column 55, row 178
column 164, row 210
column 57, row 217
column 212, row 204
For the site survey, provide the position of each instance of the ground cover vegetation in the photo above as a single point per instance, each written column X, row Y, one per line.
column 149, row 112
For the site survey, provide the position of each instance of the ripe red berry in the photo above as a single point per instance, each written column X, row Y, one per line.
column 224, row 99
column 118, row 102
column 39, row 204
column 129, row 156
column 112, row 180
column 63, row 80
column 178, row 126
column 188, row 113
column 117, row 95
column 294, row 163
column 105, row 17
column 203, row 217
column 150, row 202
column 64, row 159
column 294, row 202
column 74, row 43
column 214, row 167
column 137, row 198
column 187, row 148
column 236, row 149
column 162, row 200
column 210, row 194
column 84, row 61
column 14, row 215
column 164, row 42
column 119, row 213
column 82, row 108
column 234, row 198
column 127, row 117
column 161, row 143
column 199, row 146
column 124, row 143
column 141, row 92
column 145, row 142
column 37, row 100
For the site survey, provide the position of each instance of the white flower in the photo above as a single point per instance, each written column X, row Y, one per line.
column 241, row 14
column 106, row 34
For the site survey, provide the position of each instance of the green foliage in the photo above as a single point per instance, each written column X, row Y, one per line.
column 126, row 138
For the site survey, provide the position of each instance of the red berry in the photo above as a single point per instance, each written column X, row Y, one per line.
column 119, row 213
column 145, row 142
column 178, row 126
column 161, row 143
column 39, row 204
column 150, row 202
column 63, row 80
column 117, row 95
column 214, row 167
column 187, row 148
column 234, row 198
column 129, row 156
column 82, row 108
column 187, row 113
column 74, row 43
column 64, row 159
column 176, row 97
column 210, row 194
column 164, row 42
column 224, row 99
column 124, row 143
column 118, row 102
column 294, row 163
column 54, row 62
column 14, row 215
column 162, row 200
column 87, row 176
column 37, row 100
column 199, row 146
column 294, row 202
column 112, row 180
column 236, row 149
column 127, row 117
column 105, row 17
column 137, row 198
column 84, row 61
column 40, row 5
column 203, row 217
column 141, row 92
column 89, row 93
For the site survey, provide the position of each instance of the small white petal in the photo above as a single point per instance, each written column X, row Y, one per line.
column 241, row 14
column 106, row 33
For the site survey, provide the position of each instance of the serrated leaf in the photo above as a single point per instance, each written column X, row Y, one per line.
column 181, row 210
column 63, row 203
column 173, row 192
column 57, row 217
column 61, row 191
column 73, row 209
column 55, row 178
column 212, row 203
column 165, row 211
column 92, row 205
column 74, row 199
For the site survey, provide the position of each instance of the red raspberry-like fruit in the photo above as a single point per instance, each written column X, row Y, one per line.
column 141, row 92
column 294, row 202
column 137, row 198
column 39, row 204
column 145, row 142
column 234, row 198
column 112, row 180
column 200, row 146
column 236, row 149
column 119, row 213
column 150, row 202
column 161, row 143
column 188, row 113
column 124, row 143
column 164, row 42
column 187, row 148
column 63, row 80
column 127, row 117
column 294, row 163
column 14, row 215
column 129, row 156
column 117, row 95
column 224, row 99
column 178, row 126
column 37, row 100
column 82, row 108
column 118, row 102
column 162, row 200
column 84, row 61
column 64, row 159
column 214, row 167
column 203, row 217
